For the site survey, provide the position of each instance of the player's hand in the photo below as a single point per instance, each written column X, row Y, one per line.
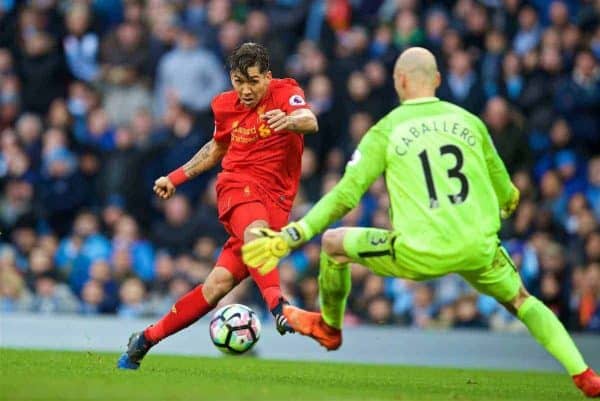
column 265, row 252
column 277, row 120
column 164, row 188
column 512, row 204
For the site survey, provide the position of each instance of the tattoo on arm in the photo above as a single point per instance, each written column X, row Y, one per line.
column 206, row 158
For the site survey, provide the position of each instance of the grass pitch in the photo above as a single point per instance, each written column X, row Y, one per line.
column 49, row 375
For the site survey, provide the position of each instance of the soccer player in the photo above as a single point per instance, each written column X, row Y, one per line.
column 258, row 134
column 448, row 189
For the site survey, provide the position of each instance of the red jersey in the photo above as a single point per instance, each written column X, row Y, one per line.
column 256, row 154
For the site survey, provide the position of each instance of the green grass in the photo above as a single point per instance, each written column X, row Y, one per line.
column 48, row 375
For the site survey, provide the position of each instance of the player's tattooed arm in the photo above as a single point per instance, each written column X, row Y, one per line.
column 205, row 159
column 301, row 121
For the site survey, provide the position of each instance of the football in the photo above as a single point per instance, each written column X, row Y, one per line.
column 234, row 329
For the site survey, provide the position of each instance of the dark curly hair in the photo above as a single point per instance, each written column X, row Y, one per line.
column 248, row 55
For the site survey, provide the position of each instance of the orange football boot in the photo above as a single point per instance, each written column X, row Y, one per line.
column 311, row 324
column 589, row 383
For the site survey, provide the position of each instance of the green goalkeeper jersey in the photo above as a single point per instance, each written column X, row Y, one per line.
column 445, row 180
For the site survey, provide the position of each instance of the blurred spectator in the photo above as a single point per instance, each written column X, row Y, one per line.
column 593, row 187
column 81, row 44
column 14, row 296
column 117, row 179
column 131, row 296
column 461, row 84
column 476, row 24
column 29, row 131
column 185, row 139
column 230, row 37
column 188, row 74
column 92, row 297
column 491, row 61
column 529, row 33
column 23, row 238
column 407, row 31
column 258, row 29
column 422, row 310
column 16, row 201
column 124, row 63
column 578, row 98
column 178, row 231
column 467, row 315
column 100, row 132
column 508, row 137
column 102, row 274
column 380, row 311
column 61, row 188
column 77, row 252
column 126, row 243
column 52, row 296
column 43, row 71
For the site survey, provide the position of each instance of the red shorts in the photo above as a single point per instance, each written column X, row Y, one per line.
column 238, row 207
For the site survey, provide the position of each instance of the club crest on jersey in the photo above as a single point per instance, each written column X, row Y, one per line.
column 297, row 100
column 264, row 131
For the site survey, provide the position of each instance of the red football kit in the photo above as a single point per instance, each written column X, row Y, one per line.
column 261, row 169
column 260, row 177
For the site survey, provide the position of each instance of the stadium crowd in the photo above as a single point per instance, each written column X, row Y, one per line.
column 99, row 98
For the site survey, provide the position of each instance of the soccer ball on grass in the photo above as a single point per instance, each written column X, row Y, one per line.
column 234, row 329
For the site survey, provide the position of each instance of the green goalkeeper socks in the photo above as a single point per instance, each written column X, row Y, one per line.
column 551, row 334
column 334, row 286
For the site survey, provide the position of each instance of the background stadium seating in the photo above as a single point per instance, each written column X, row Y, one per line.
column 99, row 98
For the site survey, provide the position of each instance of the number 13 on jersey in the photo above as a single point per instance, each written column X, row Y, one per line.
column 453, row 173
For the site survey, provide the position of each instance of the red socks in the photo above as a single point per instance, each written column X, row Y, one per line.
column 189, row 308
column 268, row 286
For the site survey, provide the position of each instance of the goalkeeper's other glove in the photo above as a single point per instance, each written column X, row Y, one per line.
column 509, row 208
column 265, row 252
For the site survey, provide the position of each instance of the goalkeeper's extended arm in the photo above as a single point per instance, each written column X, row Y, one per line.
column 368, row 162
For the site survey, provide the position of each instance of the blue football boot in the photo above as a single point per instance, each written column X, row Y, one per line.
column 137, row 348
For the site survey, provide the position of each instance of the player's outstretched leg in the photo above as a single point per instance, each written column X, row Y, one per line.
column 188, row 309
column 501, row 280
column 334, row 287
column 545, row 327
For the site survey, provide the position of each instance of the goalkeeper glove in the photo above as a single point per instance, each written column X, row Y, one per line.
column 511, row 206
column 265, row 252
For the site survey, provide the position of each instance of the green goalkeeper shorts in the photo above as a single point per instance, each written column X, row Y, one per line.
column 375, row 248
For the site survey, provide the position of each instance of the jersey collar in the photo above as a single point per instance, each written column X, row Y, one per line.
column 420, row 100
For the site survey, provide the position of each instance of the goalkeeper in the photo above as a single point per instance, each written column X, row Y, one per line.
column 448, row 189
